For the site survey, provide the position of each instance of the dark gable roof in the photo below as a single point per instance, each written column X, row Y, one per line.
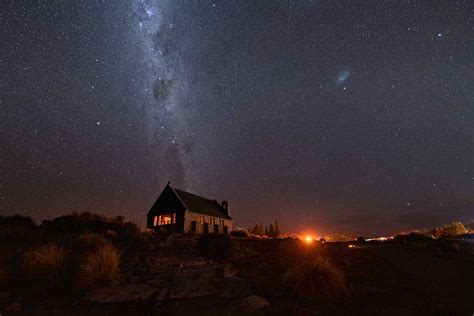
column 200, row 205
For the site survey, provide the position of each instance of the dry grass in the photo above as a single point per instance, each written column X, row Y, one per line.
column 100, row 268
column 316, row 278
column 89, row 242
column 45, row 261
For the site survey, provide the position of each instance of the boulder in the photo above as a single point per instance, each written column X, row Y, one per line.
column 14, row 307
column 253, row 303
column 121, row 294
column 233, row 287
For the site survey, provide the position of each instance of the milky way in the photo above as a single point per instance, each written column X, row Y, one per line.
column 335, row 116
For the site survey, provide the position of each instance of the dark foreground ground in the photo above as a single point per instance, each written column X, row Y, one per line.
column 167, row 277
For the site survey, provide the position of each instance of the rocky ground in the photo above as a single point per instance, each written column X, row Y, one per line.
column 167, row 277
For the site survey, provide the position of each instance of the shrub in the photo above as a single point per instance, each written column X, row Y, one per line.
column 240, row 232
column 47, row 261
column 79, row 224
column 411, row 237
column 100, row 268
column 450, row 230
column 360, row 239
column 129, row 232
column 316, row 278
column 216, row 246
column 18, row 228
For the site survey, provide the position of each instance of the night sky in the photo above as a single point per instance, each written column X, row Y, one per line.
column 330, row 116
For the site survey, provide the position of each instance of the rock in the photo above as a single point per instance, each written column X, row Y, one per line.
column 14, row 307
column 221, row 287
column 121, row 294
column 254, row 302
column 226, row 272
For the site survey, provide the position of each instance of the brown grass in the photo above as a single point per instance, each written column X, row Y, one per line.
column 316, row 278
column 100, row 268
column 45, row 261
column 89, row 242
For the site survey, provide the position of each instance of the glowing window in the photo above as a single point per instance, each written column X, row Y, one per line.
column 166, row 219
column 155, row 221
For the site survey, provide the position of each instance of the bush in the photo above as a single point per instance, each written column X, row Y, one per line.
column 47, row 261
column 100, row 268
column 411, row 237
column 129, row 232
column 360, row 240
column 216, row 246
column 18, row 228
column 316, row 278
column 240, row 232
column 82, row 223
column 450, row 230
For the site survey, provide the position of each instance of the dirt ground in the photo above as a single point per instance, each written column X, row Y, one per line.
column 384, row 279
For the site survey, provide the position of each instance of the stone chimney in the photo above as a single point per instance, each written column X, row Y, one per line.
column 225, row 208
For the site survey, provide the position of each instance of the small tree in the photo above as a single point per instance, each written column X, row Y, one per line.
column 257, row 230
column 277, row 229
column 271, row 231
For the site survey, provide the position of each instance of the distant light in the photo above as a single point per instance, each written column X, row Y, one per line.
column 351, row 246
column 440, row 34
column 308, row 239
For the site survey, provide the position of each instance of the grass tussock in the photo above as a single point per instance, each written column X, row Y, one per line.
column 89, row 242
column 47, row 261
column 316, row 278
column 100, row 268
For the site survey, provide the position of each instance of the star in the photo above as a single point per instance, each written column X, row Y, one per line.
column 343, row 76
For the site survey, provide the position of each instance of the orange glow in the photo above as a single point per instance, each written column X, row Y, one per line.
column 308, row 239
column 351, row 246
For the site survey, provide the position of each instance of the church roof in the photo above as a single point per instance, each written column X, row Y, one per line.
column 199, row 204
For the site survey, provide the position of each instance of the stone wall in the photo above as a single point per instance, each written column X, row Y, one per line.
column 190, row 217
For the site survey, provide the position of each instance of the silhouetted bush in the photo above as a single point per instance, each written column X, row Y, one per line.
column 129, row 231
column 89, row 223
column 360, row 239
column 216, row 246
column 100, row 268
column 411, row 237
column 450, row 230
column 18, row 228
column 316, row 278
column 240, row 232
